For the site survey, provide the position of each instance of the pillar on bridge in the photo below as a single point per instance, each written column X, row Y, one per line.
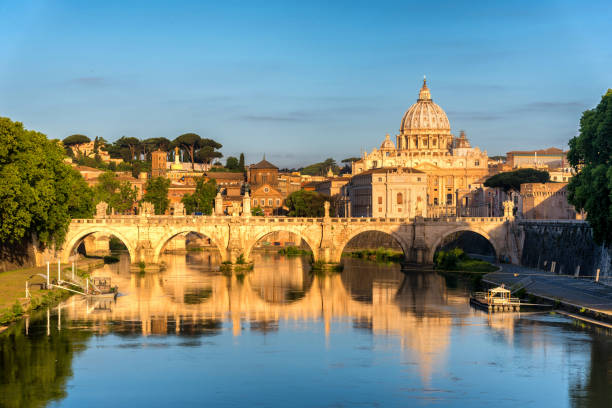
column 246, row 205
column 219, row 204
column 102, row 244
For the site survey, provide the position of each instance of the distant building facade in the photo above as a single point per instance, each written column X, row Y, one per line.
column 425, row 144
column 387, row 192
column 550, row 158
column 542, row 201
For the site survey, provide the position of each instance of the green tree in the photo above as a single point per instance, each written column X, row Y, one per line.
column 120, row 196
column 320, row 169
column 208, row 151
column 157, row 193
column 39, row 193
column 351, row 159
column 241, row 162
column 257, row 211
column 75, row 140
column 590, row 155
column 512, row 180
column 304, row 203
column 232, row 163
column 190, row 143
column 202, row 200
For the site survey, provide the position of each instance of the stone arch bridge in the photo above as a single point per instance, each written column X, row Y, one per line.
column 146, row 236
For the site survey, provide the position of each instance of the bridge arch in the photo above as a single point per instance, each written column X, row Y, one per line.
column 163, row 241
column 401, row 240
column 72, row 242
column 314, row 247
column 482, row 233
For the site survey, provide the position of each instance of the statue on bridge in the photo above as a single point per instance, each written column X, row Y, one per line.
column 101, row 209
column 147, row 209
column 508, row 209
column 179, row 209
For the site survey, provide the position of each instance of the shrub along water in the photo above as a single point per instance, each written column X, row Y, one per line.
column 293, row 251
column 379, row 255
column 456, row 260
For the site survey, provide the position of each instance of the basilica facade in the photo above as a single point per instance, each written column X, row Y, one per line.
column 425, row 144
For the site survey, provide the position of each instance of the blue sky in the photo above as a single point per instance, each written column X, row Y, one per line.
column 305, row 80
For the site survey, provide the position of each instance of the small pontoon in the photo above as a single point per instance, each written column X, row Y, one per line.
column 496, row 300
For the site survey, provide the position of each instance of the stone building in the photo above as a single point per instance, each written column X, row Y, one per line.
column 263, row 172
column 547, row 201
column 159, row 161
column 550, row 158
column 269, row 199
column 387, row 192
column 425, row 143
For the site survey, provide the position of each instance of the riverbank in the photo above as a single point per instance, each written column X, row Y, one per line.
column 14, row 304
column 581, row 297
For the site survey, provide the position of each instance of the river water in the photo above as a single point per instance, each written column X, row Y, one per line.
column 370, row 336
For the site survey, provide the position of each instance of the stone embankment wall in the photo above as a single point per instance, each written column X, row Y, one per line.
column 563, row 247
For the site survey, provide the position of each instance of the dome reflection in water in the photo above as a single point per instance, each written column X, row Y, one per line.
column 370, row 335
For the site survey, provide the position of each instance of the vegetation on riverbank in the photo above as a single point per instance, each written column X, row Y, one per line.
column 293, row 251
column 378, row 255
column 456, row 260
column 14, row 304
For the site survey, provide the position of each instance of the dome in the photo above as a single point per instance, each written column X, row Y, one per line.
column 425, row 117
column 387, row 144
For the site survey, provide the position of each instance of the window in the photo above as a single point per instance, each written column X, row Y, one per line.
column 255, row 202
column 400, row 198
column 375, row 164
column 379, row 200
column 477, row 163
column 270, row 202
column 266, row 189
column 277, row 202
column 449, row 199
column 435, row 200
column 418, row 179
column 380, row 179
column 387, row 154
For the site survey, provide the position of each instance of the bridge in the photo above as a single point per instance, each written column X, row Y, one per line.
column 146, row 236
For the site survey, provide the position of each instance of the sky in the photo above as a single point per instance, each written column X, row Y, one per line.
column 306, row 80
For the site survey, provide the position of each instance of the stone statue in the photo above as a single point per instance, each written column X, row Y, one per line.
column 147, row 209
column 326, row 206
column 179, row 209
column 419, row 207
column 101, row 209
column 246, row 205
column 219, row 204
column 508, row 209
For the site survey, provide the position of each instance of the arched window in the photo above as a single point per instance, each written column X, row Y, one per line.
column 400, row 198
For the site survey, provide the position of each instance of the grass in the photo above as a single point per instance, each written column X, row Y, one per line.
column 12, row 291
column 381, row 255
column 293, row 251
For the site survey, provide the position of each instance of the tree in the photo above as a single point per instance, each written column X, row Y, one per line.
column 320, row 169
column 120, row 196
column 39, row 193
column 512, row 180
column 257, row 211
column 202, row 200
column 590, row 155
column 189, row 142
column 232, row 163
column 128, row 144
column 304, row 203
column 157, row 193
column 152, row 144
column 351, row 159
column 241, row 162
column 75, row 140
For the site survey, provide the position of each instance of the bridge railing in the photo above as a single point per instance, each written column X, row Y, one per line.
column 189, row 219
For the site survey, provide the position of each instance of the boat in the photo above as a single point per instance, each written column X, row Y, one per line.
column 101, row 287
column 497, row 299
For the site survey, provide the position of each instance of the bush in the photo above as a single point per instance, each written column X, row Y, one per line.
column 111, row 259
column 449, row 260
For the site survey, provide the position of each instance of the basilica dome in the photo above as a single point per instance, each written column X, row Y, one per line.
column 425, row 117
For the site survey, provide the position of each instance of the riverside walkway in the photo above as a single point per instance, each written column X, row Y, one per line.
column 576, row 292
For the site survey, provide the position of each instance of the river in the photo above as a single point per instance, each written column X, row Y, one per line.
column 280, row 335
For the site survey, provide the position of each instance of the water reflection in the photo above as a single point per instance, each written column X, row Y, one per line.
column 427, row 326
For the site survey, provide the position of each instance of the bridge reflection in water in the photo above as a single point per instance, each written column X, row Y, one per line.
column 192, row 298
